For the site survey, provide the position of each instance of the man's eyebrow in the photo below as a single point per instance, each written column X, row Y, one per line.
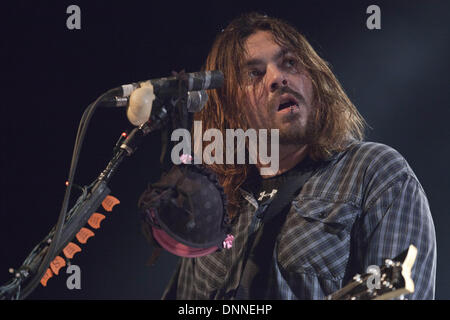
column 252, row 62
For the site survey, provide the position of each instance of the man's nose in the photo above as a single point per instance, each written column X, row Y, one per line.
column 276, row 78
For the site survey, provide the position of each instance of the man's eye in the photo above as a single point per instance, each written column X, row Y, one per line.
column 290, row 63
column 255, row 73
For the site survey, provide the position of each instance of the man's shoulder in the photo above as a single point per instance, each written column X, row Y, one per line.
column 366, row 166
column 375, row 157
column 362, row 171
column 377, row 166
column 373, row 151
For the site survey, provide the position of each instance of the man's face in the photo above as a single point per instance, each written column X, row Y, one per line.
column 278, row 92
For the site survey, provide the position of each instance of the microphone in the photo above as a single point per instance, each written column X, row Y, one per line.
column 139, row 97
column 169, row 86
column 140, row 103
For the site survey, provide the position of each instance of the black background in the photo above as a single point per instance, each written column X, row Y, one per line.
column 396, row 76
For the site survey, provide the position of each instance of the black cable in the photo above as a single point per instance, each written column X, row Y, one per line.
column 51, row 252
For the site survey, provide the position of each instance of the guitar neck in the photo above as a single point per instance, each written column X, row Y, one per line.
column 392, row 280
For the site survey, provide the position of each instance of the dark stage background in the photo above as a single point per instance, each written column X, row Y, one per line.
column 397, row 77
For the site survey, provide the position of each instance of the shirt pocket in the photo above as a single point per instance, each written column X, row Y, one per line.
column 315, row 239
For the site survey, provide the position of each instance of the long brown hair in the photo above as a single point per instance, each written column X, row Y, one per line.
column 336, row 118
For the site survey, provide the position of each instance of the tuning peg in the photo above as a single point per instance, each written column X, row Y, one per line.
column 57, row 264
column 109, row 202
column 95, row 220
column 71, row 249
column 389, row 263
column 84, row 234
column 357, row 278
column 48, row 274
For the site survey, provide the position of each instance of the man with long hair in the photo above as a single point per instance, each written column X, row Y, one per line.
column 361, row 205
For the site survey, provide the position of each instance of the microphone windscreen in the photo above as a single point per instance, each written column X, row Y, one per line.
column 140, row 106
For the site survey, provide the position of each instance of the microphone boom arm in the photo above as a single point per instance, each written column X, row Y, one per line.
column 33, row 269
column 77, row 217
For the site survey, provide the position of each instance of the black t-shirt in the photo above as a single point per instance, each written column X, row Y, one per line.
column 263, row 189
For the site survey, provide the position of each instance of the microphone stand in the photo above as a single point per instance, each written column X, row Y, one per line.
column 91, row 198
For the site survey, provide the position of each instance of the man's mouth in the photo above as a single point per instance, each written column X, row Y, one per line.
column 287, row 101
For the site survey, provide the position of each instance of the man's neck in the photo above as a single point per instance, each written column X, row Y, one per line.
column 290, row 156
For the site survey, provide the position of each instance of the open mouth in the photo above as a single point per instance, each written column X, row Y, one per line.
column 287, row 102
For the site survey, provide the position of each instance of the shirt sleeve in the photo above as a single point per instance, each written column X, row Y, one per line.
column 393, row 220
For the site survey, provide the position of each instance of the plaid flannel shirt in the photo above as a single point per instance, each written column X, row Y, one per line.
column 364, row 206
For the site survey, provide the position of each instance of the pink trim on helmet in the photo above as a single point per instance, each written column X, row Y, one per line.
column 177, row 248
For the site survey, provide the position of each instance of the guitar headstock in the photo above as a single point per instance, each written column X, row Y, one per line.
column 389, row 281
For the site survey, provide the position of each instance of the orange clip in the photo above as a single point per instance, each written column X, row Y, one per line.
column 84, row 234
column 57, row 264
column 109, row 203
column 70, row 250
column 48, row 274
column 95, row 219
